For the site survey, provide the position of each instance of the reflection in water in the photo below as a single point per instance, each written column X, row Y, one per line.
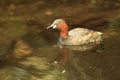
column 13, row 73
column 19, row 74
column 71, row 65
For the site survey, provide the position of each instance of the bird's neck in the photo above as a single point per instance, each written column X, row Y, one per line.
column 64, row 34
column 63, row 30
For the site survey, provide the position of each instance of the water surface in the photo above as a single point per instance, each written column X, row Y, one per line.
column 74, row 65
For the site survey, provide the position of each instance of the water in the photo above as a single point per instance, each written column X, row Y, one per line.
column 37, row 56
column 73, row 65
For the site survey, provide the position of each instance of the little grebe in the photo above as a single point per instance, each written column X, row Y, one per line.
column 77, row 36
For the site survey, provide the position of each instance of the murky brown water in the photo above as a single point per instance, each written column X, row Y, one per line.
column 74, row 65
column 33, row 50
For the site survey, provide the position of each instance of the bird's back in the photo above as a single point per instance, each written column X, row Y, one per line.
column 82, row 36
column 79, row 32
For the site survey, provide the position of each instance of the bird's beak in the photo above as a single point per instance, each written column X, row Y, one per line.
column 52, row 26
column 49, row 27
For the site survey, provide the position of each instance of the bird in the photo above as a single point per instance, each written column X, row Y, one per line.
column 81, row 37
